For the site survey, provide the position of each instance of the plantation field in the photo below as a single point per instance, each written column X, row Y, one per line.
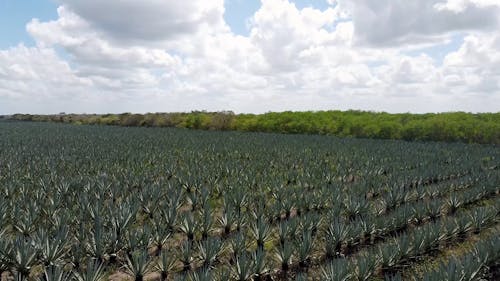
column 134, row 203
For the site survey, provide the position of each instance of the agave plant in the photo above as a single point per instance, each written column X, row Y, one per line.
column 452, row 204
column 206, row 225
column 26, row 221
column 186, row 256
column 284, row 255
column 463, row 226
column 165, row 264
column 95, row 245
column 138, row 265
column 227, row 220
column 148, row 198
column 336, row 233
column 260, row 266
column 336, row 270
column 364, row 268
column 23, row 257
column 55, row 273
column 242, row 269
column 404, row 246
column 311, row 221
column 136, row 239
column 203, row 274
column 189, row 226
column 367, row 229
column 123, row 215
column 210, row 249
column 223, row 274
column 479, row 218
column 287, row 229
column 169, row 214
column 304, row 246
column 237, row 245
column 193, row 199
column 388, row 256
column 355, row 207
column 260, row 231
column 94, row 271
column 160, row 236
column 5, row 252
column 392, row 198
column 433, row 209
column 52, row 248
column 472, row 267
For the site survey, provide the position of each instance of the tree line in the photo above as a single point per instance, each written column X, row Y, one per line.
column 450, row 127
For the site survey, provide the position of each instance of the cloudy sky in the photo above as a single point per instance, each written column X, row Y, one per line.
column 249, row 55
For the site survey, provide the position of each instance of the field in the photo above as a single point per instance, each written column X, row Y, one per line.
column 117, row 203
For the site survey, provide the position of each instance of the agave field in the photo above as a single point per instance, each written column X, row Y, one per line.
column 114, row 203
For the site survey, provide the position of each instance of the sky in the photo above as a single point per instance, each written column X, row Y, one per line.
column 94, row 56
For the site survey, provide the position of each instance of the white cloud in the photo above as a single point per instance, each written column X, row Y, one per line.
column 152, row 20
column 476, row 64
column 37, row 72
column 460, row 6
column 178, row 56
column 396, row 22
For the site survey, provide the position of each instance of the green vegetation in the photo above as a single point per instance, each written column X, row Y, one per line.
column 450, row 127
column 115, row 203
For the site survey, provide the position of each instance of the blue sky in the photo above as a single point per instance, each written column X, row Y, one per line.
column 14, row 14
column 395, row 56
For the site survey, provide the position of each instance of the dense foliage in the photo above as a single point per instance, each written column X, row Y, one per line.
column 457, row 126
column 113, row 203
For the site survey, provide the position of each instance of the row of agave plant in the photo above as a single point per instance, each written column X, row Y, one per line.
column 51, row 246
column 408, row 248
column 248, row 265
column 476, row 264
column 92, row 201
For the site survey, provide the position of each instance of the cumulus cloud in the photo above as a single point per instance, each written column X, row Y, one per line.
column 144, row 56
column 396, row 22
column 474, row 68
column 152, row 20
column 35, row 70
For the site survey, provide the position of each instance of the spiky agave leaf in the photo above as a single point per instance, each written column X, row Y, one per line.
column 189, row 226
column 160, row 236
column 284, row 255
column 260, row 231
column 237, row 245
column 210, row 250
column 94, row 271
column 138, row 265
column 202, row 274
column 55, row 273
column 53, row 248
column 336, row 270
column 165, row 264
column 259, row 264
column 388, row 255
column 23, row 256
column 364, row 267
column 242, row 269
column 186, row 256
column 304, row 245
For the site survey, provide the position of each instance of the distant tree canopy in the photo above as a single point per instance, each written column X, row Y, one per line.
column 453, row 126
